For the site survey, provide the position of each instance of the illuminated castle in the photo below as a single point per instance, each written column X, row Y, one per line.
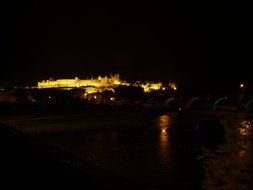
column 99, row 84
column 77, row 83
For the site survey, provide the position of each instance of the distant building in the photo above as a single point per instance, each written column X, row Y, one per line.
column 99, row 84
column 77, row 83
column 151, row 86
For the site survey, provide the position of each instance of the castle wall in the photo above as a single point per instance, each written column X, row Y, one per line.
column 73, row 83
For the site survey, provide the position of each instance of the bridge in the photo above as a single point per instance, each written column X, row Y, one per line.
column 228, row 102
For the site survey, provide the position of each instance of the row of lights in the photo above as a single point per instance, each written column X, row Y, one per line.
column 174, row 88
column 112, row 98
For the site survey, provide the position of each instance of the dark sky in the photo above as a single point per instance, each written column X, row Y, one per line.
column 190, row 43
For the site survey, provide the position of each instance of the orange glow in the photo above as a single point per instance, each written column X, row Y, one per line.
column 173, row 86
column 100, row 84
column 245, row 128
column 76, row 82
column 242, row 85
column 151, row 86
column 164, row 123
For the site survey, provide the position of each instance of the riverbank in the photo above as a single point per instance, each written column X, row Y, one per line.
column 29, row 163
column 80, row 120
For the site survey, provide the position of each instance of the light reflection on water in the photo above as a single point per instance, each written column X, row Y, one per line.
column 245, row 128
column 144, row 153
column 245, row 131
column 163, row 123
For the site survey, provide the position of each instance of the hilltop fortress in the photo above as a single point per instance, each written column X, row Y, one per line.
column 77, row 83
column 99, row 84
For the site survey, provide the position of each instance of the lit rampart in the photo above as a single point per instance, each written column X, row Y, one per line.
column 99, row 84
column 76, row 83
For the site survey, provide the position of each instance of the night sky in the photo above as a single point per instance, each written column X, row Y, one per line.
column 188, row 43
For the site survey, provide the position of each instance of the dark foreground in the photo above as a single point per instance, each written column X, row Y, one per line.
column 92, row 153
column 26, row 163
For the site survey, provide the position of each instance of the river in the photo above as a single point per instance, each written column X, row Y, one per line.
column 159, row 155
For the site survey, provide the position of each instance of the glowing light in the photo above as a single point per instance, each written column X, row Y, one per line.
column 90, row 90
column 95, row 97
column 49, row 97
column 242, row 85
column 164, row 122
column 151, row 86
column 76, row 82
column 112, row 98
column 244, row 130
column 100, row 84
column 173, row 86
